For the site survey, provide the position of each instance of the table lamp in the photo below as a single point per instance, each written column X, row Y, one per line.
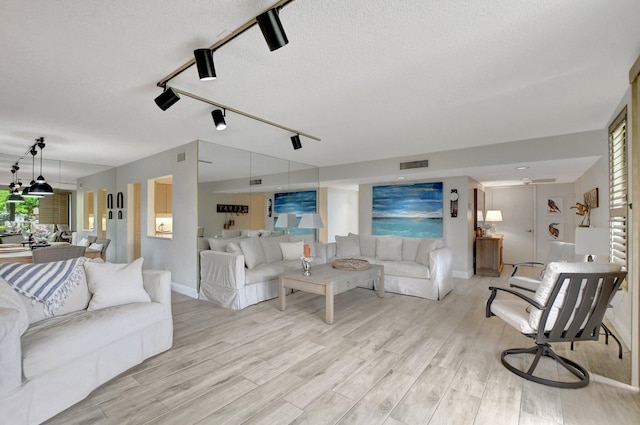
column 493, row 216
column 286, row 221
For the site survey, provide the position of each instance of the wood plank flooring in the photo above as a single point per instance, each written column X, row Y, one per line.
column 400, row 360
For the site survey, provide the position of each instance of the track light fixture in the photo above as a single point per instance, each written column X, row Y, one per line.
column 204, row 61
column 272, row 29
column 41, row 187
column 218, row 118
column 295, row 141
column 167, row 98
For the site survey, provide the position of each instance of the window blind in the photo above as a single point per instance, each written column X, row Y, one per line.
column 618, row 189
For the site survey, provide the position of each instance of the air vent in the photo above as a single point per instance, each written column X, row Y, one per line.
column 182, row 156
column 255, row 182
column 414, row 164
column 543, row 181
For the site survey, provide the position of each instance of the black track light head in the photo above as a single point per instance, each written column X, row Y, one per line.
column 204, row 61
column 166, row 99
column 272, row 29
column 218, row 119
column 295, row 141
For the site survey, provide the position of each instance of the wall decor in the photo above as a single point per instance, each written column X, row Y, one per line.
column 413, row 211
column 555, row 206
column 110, row 201
column 298, row 203
column 453, row 200
column 591, row 198
column 237, row 209
column 554, row 231
column 120, row 200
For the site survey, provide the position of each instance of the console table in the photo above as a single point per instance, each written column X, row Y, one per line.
column 489, row 255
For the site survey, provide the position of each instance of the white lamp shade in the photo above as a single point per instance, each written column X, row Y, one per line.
column 480, row 216
column 287, row 220
column 311, row 221
column 592, row 241
column 493, row 215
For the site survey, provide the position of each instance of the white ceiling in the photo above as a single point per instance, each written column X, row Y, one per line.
column 372, row 79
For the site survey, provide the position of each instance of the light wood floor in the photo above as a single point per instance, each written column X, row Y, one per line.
column 394, row 361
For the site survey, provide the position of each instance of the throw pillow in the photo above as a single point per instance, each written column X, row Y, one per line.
column 96, row 246
column 83, row 242
column 218, row 244
column 271, row 247
column 347, row 246
column 389, row 249
column 305, row 239
column 292, row 250
column 252, row 251
column 424, row 249
column 410, row 248
column 115, row 284
column 234, row 248
column 367, row 245
column 231, row 233
column 9, row 298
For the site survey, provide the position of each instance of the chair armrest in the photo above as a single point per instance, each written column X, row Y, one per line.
column 222, row 269
column 157, row 283
column 525, row 263
column 494, row 291
column 10, row 351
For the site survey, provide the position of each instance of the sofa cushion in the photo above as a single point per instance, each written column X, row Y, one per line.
column 367, row 245
column 115, row 284
column 389, row 248
column 60, row 340
column 270, row 271
column 271, row 247
column 219, row 244
column 9, row 298
column 424, row 249
column 348, row 246
column 410, row 248
column 403, row 268
column 292, row 250
column 231, row 233
column 234, row 248
column 252, row 251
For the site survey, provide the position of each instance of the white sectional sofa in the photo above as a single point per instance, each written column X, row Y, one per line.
column 114, row 318
column 238, row 272
column 420, row 267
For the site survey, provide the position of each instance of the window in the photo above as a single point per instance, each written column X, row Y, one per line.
column 618, row 189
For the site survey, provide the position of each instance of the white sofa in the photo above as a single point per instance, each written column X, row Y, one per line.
column 238, row 272
column 47, row 364
column 420, row 267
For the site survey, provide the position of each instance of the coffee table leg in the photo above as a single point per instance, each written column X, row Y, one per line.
column 329, row 304
column 281, row 294
column 381, row 284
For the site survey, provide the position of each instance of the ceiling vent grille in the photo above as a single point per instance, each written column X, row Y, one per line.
column 182, row 156
column 414, row 164
column 255, row 182
column 543, row 181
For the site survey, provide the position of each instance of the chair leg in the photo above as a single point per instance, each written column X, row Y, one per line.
column 607, row 334
column 544, row 350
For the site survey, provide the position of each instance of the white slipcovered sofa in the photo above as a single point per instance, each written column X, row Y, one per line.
column 421, row 267
column 238, row 272
column 113, row 317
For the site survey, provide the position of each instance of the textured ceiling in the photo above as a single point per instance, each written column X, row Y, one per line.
column 372, row 79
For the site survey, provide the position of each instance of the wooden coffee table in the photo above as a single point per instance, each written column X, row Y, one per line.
column 327, row 281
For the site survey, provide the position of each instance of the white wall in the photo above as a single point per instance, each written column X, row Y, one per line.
column 341, row 216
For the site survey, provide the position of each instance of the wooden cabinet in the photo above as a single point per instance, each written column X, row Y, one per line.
column 489, row 255
column 163, row 198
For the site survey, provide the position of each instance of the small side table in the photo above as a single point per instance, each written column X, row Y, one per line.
column 489, row 255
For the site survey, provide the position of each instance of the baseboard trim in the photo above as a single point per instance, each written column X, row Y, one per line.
column 184, row 290
column 612, row 382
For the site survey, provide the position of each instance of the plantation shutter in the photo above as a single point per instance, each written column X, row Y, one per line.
column 618, row 189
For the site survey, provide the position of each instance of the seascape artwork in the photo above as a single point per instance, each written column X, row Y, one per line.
column 297, row 203
column 411, row 211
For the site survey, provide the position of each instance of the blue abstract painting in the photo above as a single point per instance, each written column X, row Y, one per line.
column 297, row 203
column 411, row 211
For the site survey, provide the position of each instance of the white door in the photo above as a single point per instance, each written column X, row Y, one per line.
column 516, row 204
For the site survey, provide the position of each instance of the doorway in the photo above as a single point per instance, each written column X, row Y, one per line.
column 518, row 215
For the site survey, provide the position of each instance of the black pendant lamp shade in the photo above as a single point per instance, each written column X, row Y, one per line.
column 295, row 141
column 272, row 29
column 166, row 99
column 218, row 119
column 41, row 187
column 204, row 61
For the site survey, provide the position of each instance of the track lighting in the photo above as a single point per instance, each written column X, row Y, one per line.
column 167, row 98
column 218, row 119
column 272, row 29
column 204, row 61
column 295, row 141
column 41, row 187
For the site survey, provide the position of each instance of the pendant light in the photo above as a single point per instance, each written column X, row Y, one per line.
column 41, row 187
column 15, row 197
column 26, row 192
